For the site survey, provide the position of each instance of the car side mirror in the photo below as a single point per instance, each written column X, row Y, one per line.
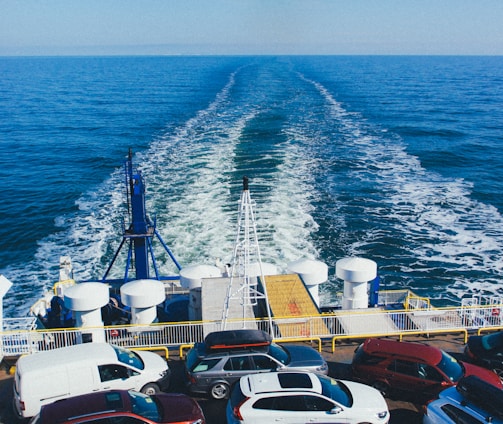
column 336, row 410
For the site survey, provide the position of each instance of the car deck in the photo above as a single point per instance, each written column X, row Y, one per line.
column 339, row 367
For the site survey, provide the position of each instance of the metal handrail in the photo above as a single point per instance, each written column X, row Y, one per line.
column 338, row 325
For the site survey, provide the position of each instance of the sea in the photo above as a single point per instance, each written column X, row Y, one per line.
column 397, row 159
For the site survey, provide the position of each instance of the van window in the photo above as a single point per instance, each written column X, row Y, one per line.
column 113, row 372
column 129, row 357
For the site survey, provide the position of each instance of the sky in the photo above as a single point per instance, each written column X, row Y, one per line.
column 251, row 27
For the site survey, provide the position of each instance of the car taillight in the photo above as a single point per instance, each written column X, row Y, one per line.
column 236, row 412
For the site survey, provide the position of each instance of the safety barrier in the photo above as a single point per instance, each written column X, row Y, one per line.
column 337, row 325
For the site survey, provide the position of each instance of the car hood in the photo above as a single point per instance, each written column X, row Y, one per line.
column 486, row 375
column 153, row 362
column 302, row 356
column 475, row 345
column 366, row 397
column 177, row 407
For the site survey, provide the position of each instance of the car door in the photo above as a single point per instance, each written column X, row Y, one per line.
column 321, row 410
column 117, row 376
column 264, row 363
column 294, row 409
column 236, row 367
column 414, row 377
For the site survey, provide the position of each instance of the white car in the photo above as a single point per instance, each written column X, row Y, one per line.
column 472, row 401
column 300, row 397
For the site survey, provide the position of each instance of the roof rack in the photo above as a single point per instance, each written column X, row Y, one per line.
column 482, row 394
column 236, row 339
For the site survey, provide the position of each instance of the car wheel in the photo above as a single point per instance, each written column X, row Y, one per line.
column 381, row 386
column 220, row 391
column 150, row 389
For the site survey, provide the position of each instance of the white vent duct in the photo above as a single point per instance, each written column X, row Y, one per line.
column 313, row 273
column 85, row 300
column 356, row 273
column 143, row 296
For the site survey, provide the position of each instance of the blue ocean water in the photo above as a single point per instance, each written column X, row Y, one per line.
column 396, row 159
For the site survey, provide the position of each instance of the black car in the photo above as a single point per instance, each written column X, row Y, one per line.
column 486, row 351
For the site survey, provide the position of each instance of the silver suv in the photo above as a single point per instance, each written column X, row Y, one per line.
column 224, row 357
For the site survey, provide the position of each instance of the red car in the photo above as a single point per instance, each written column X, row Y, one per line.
column 413, row 368
column 122, row 406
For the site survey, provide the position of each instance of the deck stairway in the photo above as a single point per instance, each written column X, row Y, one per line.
column 289, row 297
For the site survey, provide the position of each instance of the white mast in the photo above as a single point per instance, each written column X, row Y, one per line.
column 243, row 283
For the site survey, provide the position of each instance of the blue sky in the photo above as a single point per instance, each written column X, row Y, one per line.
column 81, row 27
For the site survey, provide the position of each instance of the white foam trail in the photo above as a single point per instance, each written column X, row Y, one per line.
column 424, row 206
column 287, row 211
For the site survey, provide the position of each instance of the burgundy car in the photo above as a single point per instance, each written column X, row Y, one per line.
column 414, row 368
column 122, row 406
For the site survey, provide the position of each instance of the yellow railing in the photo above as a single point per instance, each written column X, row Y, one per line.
column 339, row 325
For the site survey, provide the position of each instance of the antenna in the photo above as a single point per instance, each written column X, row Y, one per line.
column 243, row 284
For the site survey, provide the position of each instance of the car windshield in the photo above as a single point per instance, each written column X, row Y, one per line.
column 129, row 357
column 335, row 390
column 492, row 341
column 279, row 353
column 450, row 367
column 145, row 406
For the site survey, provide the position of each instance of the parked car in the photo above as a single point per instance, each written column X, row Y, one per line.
column 412, row 368
column 45, row 377
column 471, row 401
column 486, row 351
column 124, row 407
column 224, row 357
column 294, row 397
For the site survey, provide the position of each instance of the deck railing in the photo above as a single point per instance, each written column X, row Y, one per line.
column 325, row 328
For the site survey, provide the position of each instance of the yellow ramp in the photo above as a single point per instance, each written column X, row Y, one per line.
column 289, row 297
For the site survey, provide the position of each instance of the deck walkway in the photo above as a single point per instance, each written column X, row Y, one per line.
column 289, row 297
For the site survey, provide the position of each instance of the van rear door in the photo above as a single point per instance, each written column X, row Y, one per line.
column 35, row 391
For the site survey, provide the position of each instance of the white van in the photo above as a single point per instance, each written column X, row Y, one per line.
column 45, row 377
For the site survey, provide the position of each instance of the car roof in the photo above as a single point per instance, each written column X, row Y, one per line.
column 271, row 382
column 419, row 351
column 66, row 355
column 65, row 409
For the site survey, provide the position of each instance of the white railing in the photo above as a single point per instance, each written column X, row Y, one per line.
column 354, row 324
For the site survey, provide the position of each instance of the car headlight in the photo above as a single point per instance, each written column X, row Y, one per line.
column 323, row 368
column 382, row 415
